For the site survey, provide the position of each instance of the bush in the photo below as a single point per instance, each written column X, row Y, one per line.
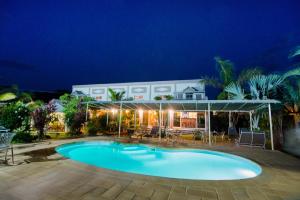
column 24, row 137
column 15, row 116
column 91, row 129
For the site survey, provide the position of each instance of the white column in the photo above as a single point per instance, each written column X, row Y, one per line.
column 107, row 117
column 134, row 119
column 271, row 127
column 209, row 132
column 120, row 119
column 250, row 115
column 229, row 119
column 159, row 121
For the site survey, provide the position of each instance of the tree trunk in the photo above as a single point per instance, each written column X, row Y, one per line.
column 297, row 120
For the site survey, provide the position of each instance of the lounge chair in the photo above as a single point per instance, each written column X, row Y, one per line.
column 130, row 132
column 154, row 131
column 5, row 143
column 145, row 133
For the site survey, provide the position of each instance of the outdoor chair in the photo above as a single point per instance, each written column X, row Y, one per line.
column 253, row 139
column 130, row 132
column 145, row 133
column 246, row 138
column 259, row 139
column 244, row 130
column 232, row 133
column 5, row 143
column 153, row 132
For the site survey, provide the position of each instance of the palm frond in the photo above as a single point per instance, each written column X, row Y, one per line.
column 247, row 74
column 295, row 52
column 293, row 72
column 113, row 94
column 235, row 91
column 211, row 81
column 225, row 69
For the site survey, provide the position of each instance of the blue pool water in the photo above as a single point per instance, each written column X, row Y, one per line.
column 155, row 161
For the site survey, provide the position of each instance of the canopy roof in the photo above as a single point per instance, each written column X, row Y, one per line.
column 186, row 105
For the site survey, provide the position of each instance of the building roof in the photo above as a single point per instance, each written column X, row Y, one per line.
column 140, row 83
column 187, row 105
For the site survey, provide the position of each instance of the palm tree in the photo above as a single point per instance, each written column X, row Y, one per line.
column 292, row 101
column 262, row 86
column 116, row 96
column 225, row 69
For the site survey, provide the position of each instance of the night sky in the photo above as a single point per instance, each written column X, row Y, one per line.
column 49, row 44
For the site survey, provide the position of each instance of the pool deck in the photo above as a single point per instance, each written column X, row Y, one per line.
column 40, row 173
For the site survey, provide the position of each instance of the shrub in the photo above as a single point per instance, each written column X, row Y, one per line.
column 42, row 116
column 16, row 117
column 24, row 137
column 91, row 128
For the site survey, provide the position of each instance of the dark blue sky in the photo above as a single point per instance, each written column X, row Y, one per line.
column 48, row 44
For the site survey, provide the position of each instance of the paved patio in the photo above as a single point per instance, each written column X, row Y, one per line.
column 43, row 174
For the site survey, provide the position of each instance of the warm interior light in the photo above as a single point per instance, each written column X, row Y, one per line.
column 171, row 112
column 141, row 111
column 113, row 111
column 126, row 111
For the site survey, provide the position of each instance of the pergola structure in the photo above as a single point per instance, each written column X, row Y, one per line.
column 246, row 106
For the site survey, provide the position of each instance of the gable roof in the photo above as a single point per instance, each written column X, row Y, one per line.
column 190, row 90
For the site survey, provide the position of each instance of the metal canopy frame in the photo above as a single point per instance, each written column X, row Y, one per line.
column 247, row 106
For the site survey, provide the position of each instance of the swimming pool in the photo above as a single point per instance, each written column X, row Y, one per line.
column 155, row 161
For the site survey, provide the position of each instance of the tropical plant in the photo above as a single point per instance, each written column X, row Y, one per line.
column 295, row 52
column 235, row 91
column 255, row 122
column 116, row 96
column 74, row 111
column 262, row 86
column 15, row 116
column 169, row 97
column 227, row 75
column 291, row 101
column 41, row 117
column 157, row 98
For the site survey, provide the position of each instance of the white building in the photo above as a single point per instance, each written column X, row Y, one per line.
column 178, row 89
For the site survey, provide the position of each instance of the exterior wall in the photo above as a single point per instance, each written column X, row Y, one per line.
column 140, row 90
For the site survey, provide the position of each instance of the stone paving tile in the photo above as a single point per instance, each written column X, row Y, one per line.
column 240, row 193
column 137, row 197
column 66, row 179
column 177, row 196
column 225, row 194
column 160, row 195
column 202, row 192
column 113, row 192
column 255, row 193
column 125, row 195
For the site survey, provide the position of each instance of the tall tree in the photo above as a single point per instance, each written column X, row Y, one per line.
column 227, row 75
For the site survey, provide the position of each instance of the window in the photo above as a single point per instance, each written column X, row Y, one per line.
column 198, row 96
column 179, row 96
column 189, row 96
column 201, row 120
column 176, row 120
